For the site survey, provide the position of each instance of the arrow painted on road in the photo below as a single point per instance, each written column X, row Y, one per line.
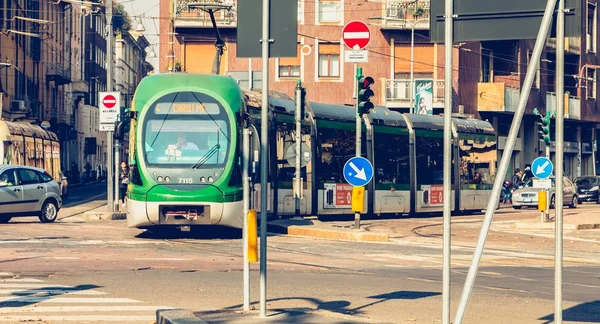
column 359, row 173
column 540, row 168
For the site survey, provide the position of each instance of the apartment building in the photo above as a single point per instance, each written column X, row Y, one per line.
column 487, row 76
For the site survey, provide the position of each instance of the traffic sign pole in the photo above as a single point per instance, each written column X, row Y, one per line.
column 560, row 90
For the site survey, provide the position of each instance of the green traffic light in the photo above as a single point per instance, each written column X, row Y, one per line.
column 544, row 129
column 364, row 94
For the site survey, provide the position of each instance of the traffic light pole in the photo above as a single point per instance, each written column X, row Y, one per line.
column 110, row 183
column 358, row 133
column 560, row 115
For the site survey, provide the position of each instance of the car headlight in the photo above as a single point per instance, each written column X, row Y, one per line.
column 516, row 195
column 594, row 188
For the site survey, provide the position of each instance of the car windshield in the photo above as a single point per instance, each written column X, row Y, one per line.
column 585, row 182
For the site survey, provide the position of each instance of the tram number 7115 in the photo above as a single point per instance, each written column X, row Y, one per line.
column 186, row 180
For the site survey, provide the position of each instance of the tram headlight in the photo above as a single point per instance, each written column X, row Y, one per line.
column 167, row 179
column 211, row 179
column 203, row 179
column 159, row 179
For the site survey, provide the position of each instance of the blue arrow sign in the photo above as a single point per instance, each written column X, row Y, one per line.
column 542, row 167
column 358, row 171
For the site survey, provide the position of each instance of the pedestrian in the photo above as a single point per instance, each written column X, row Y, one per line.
column 124, row 178
column 88, row 169
column 516, row 179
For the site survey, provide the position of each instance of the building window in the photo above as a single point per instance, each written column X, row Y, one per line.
column 329, row 60
column 330, row 11
column 290, row 66
column 536, row 84
column 591, row 83
column 591, row 28
column 487, row 65
column 301, row 11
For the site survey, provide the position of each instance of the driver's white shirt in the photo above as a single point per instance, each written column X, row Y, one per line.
column 189, row 146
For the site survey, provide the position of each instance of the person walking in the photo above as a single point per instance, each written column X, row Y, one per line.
column 124, row 178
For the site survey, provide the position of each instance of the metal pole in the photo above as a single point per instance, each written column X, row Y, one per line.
column 447, row 158
column 298, row 115
column 547, row 212
column 510, row 143
column 246, row 193
column 358, row 134
column 110, row 186
column 117, row 173
column 412, row 68
column 264, row 163
column 560, row 115
column 250, row 77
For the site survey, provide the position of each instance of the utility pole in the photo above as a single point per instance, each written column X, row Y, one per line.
column 109, row 86
column 560, row 124
column 298, row 120
column 447, row 181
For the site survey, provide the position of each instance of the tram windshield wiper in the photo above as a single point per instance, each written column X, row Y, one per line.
column 213, row 150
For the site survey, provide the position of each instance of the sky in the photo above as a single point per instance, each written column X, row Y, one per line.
column 150, row 9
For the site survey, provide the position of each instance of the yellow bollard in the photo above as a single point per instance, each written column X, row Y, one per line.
column 252, row 234
column 542, row 200
column 358, row 199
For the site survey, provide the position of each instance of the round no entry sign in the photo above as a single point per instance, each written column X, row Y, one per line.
column 356, row 35
column 109, row 101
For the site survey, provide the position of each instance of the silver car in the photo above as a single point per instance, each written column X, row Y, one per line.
column 527, row 195
column 27, row 191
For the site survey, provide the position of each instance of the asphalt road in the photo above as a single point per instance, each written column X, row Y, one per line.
column 103, row 272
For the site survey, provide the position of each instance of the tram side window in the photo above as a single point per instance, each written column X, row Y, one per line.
column 336, row 146
column 392, row 159
column 430, row 158
column 477, row 161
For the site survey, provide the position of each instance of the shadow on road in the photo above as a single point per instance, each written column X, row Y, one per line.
column 585, row 313
column 196, row 232
column 33, row 296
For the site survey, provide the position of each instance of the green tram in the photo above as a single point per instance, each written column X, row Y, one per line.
column 186, row 165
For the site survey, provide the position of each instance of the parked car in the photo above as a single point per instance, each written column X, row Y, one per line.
column 28, row 191
column 527, row 195
column 587, row 188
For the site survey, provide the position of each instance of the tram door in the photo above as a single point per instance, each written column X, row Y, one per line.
column 287, row 188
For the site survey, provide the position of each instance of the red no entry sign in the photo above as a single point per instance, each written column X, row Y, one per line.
column 356, row 35
column 109, row 101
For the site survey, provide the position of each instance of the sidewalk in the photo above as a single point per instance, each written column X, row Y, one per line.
column 274, row 316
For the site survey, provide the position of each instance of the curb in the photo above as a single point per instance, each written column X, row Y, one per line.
column 551, row 226
column 324, row 233
column 177, row 316
column 92, row 216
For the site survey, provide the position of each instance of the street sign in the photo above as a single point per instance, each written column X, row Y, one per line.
column 358, row 171
column 542, row 183
column 477, row 20
column 356, row 35
column 542, row 167
column 110, row 106
column 356, row 56
column 107, row 127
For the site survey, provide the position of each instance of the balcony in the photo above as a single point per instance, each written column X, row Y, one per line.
column 572, row 106
column 404, row 14
column 500, row 96
column 186, row 17
column 572, row 45
column 58, row 73
column 398, row 93
column 79, row 86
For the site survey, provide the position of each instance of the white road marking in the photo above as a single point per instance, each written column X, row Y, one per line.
column 66, row 258
column 21, row 280
column 67, row 300
column 63, row 309
column 31, row 285
column 50, row 290
column 80, row 318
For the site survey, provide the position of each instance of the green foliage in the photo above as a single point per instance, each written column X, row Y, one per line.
column 121, row 20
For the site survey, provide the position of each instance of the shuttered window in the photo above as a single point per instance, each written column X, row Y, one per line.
column 423, row 58
column 290, row 66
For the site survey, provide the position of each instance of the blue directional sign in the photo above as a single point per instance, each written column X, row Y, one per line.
column 358, row 171
column 542, row 167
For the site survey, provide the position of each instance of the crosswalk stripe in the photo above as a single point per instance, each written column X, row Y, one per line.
column 63, row 309
column 21, row 280
column 80, row 318
column 32, row 286
column 66, row 300
column 52, row 291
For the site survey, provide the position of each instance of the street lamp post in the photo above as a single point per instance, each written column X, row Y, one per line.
column 412, row 62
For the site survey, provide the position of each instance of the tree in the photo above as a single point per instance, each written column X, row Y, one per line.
column 121, row 20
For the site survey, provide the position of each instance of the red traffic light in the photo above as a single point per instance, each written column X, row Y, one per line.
column 366, row 81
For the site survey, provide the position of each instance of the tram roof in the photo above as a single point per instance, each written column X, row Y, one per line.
column 463, row 125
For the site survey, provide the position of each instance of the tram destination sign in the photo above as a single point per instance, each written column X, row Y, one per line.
column 479, row 20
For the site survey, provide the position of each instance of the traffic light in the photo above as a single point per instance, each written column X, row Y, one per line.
column 364, row 94
column 544, row 128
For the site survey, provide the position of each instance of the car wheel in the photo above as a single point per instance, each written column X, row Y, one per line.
column 552, row 202
column 4, row 219
column 573, row 202
column 598, row 199
column 49, row 212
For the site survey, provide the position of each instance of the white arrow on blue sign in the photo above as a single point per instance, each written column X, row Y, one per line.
column 542, row 167
column 358, row 171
